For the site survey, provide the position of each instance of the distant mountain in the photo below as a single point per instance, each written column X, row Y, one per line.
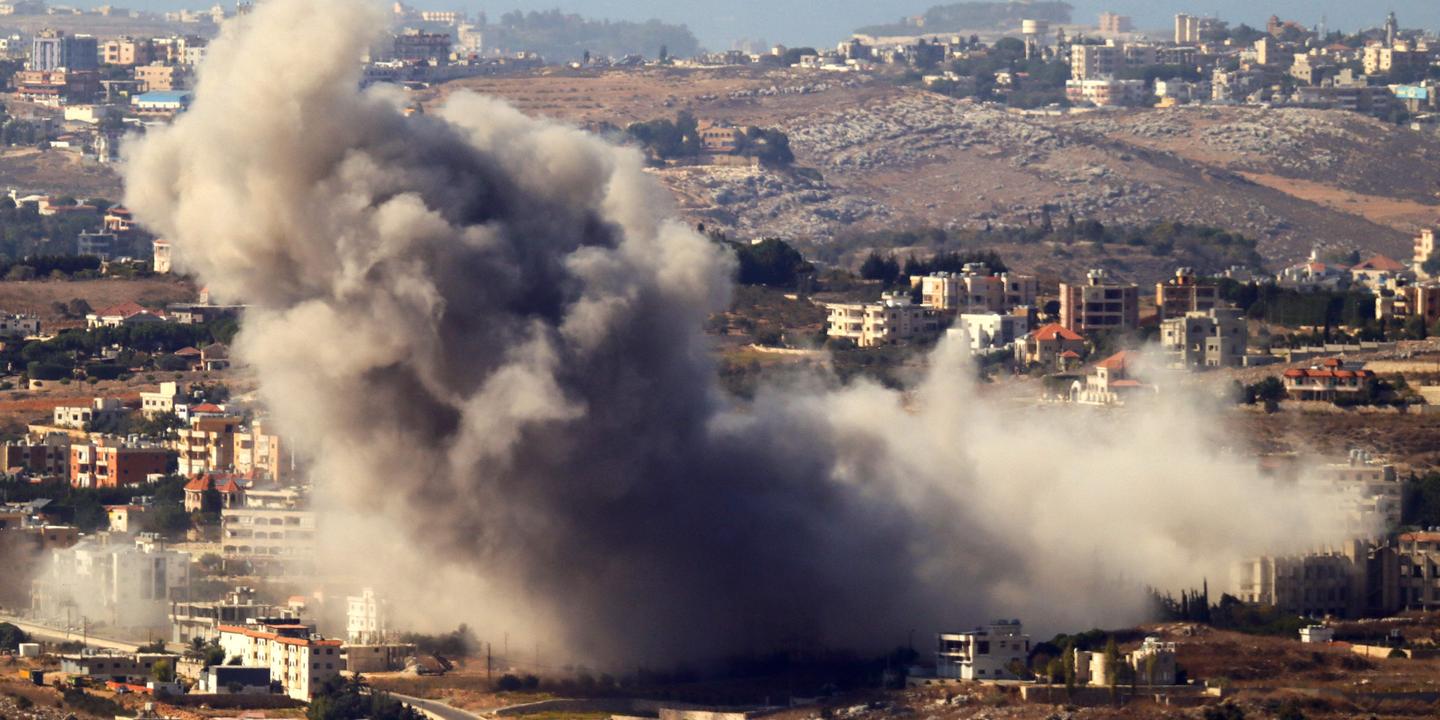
column 561, row 36
column 975, row 16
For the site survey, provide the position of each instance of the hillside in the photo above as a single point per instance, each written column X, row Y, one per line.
column 893, row 157
column 975, row 16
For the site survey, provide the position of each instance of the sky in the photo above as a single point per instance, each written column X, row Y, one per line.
column 822, row 23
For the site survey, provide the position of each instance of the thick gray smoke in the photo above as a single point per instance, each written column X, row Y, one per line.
column 484, row 331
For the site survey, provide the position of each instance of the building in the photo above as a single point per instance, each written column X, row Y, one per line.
column 1379, row 272
column 80, row 417
column 413, row 44
column 1369, row 493
column 260, row 454
column 1218, row 337
column 1312, row 275
column 1424, row 248
column 160, row 78
column 1107, row 92
column 1050, row 345
column 127, row 586
column 271, row 532
column 1093, row 62
column 126, row 518
column 982, row 332
column 112, row 665
column 101, row 244
column 48, row 457
column 18, row 326
column 1385, row 59
column 235, row 680
column 985, row 653
column 160, row 260
column 101, row 465
column 1153, row 663
column 1327, row 382
column 1192, row 30
column 126, row 313
column 227, row 488
column 976, row 290
column 55, row 50
column 203, row 620
column 1184, row 294
column 1317, row 634
column 125, row 51
column 717, row 138
column 1375, row 100
column 893, row 319
column 1115, row 24
column 207, row 444
column 366, row 619
column 56, row 88
column 387, row 657
column 1099, row 304
column 160, row 103
column 162, row 401
column 1329, row 582
column 299, row 660
column 1113, row 381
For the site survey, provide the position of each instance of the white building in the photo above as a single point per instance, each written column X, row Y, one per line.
column 975, row 290
column 118, row 585
column 366, row 619
column 273, row 532
column 893, row 319
column 19, row 326
column 1316, row 634
column 1153, row 663
column 986, row 653
column 76, row 417
column 299, row 661
column 1106, row 92
column 161, row 402
column 990, row 331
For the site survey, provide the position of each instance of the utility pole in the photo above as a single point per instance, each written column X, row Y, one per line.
column 487, row 661
column 506, row 648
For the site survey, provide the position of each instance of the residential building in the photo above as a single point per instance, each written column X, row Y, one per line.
column 1417, row 556
column 1424, row 248
column 80, row 417
column 101, row 464
column 1331, row 581
column 26, row 541
column 1113, row 381
column 56, row 88
column 893, row 319
column 260, row 454
column 160, row 103
column 1099, row 304
column 18, row 326
column 101, row 244
column 229, row 490
column 1385, row 59
column 1093, row 62
column 125, row 51
column 1050, row 345
column 366, row 619
column 235, row 679
column 113, row 665
column 207, row 444
column 270, row 532
column 126, row 313
column 1115, row 24
column 1313, row 275
column 190, row 620
column 1184, row 294
column 46, row 457
column 55, row 50
column 1153, row 663
column 717, row 138
column 160, row 78
column 118, row 220
column 126, row 518
column 299, row 660
column 1191, row 30
column 1379, row 272
column 160, row 252
column 1326, row 382
column 1218, row 337
column 161, row 401
column 127, row 586
column 413, row 44
column 387, row 657
column 1318, row 634
column 976, row 290
column 985, row 653
column 1376, row 100
column 1368, row 492
column 983, row 332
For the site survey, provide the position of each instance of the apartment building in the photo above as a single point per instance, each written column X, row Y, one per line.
column 1424, row 247
column 1183, row 294
column 1153, row 663
column 271, row 532
column 1115, row 23
column 1325, row 382
column 1330, row 581
column 1191, row 29
column 105, row 579
column 207, row 444
column 190, row 620
column 46, row 457
column 1417, row 570
column 982, row 332
column 1092, row 62
column 985, row 653
column 161, row 401
column 1107, row 92
column 893, row 319
column 976, row 290
column 157, row 77
column 1214, row 338
column 1113, row 381
column 413, row 44
column 79, row 417
column 260, row 454
column 366, row 619
column 1368, row 492
column 105, row 463
column 1099, row 304
column 18, row 325
column 299, row 660
column 125, row 51
column 1383, row 59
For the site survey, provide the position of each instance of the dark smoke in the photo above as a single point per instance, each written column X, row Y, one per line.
column 484, row 331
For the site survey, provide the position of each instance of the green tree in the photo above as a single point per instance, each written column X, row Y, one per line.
column 163, row 671
column 11, row 637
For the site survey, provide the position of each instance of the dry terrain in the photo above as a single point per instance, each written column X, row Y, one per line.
column 895, row 157
column 57, row 172
column 38, row 297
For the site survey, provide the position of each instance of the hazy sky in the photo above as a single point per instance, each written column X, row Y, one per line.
column 817, row 22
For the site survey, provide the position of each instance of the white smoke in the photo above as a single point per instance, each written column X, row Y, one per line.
column 483, row 331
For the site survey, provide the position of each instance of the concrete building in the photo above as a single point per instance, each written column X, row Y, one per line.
column 207, row 444
column 106, row 463
column 1107, row 92
column 78, row 417
column 158, row 77
column 101, row 244
column 125, row 51
column 261, row 454
column 893, row 319
column 1368, row 492
column 271, row 532
column 719, row 138
column 113, row 665
column 1191, row 30
column 1153, row 663
column 1093, row 62
column 48, row 456
column 413, row 44
column 1327, row 582
column 366, row 619
column 160, row 256
column 1099, row 304
column 227, row 488
column 18, row 326
column 976, row 290
column 1379, row 272
column 1385, row 59
column 1215, row 338
column 1326, row 382
column 191, row 620
column 235, row 680
column 985, row 653
column 983, row 332
column 1317, row 634
column 1184, row 294
column 55, row 50
column 104, row 580
column 1424, row 247
column 387, row 657
column 1115, row 24
column 161, row 401
column 299, row 661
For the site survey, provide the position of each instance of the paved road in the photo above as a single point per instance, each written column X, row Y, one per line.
column 437, row 708
column 60, row 634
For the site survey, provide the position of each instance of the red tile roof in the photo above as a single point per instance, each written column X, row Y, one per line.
column 1121, row 361
column 1381, row 263
column 1070, row 355
column 1055, row 331
column 124, row 310
column 207, row 408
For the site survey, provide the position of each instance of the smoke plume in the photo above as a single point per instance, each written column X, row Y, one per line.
column 484, row 332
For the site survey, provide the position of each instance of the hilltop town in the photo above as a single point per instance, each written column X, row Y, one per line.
column 1103, row 227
